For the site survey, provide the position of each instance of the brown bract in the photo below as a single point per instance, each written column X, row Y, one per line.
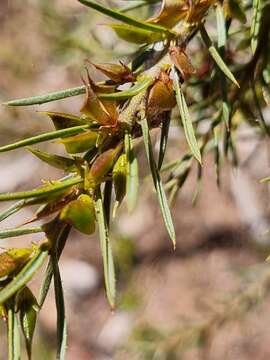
column 119, row 73
column 181, row 61
column 103, row 112
column 161, row 96
column 173, row 11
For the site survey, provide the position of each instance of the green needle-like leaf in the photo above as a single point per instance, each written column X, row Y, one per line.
column 255, row 23
column 60, row 308
column 14, row 347
column 117, row 15
column 186, row 121
column 25, row 275
column 58, row 95
column 44, row 137
column 42, row 191
column 106, row 250
column 7, row 233
column 165, row 210
column 141, row 85
column 53, row 96
column 163, row 140
column 12, row 210
column 132, row 173
column 216, row 57
column 58, row 236
column 221, row 28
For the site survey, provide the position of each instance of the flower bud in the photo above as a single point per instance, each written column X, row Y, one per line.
column 80, row 213
column 161, row 96
column 102, row 165
column 182, row 62
column 120, row 177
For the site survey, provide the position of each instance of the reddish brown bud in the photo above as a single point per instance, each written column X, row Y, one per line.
column 181, row 61
column 161, row 95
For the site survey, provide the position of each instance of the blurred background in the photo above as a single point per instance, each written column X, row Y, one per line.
column 207, row 300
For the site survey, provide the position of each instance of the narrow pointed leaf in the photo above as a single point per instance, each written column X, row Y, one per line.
column 25, row 275
column 7, row 233
column 59, row 237
column 140, row 86
column 62, row 94
column 255, row 23
column 163, row 140
column 44, row 137
column 42, row 191
column 135, row 35
column 117, row 15
column 59, row 162
column 221, row 28
column 132, row 173
column 165, row 210
column 186, row 120
column 14, row 351
column 12, row 210
column 60, row 308
column 42, row 99
column 28, row 307
column 106, row 250
column 216, row 57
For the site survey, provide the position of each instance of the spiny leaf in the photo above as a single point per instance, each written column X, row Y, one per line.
column 44, row 137
column 59, row 162
column 117, row 15
column 132, row 173
column 216, row 57
column 106, row 250
column 165, row 210
column 25, row 275
column 14, row 348
column 42, row 191
column 186, row 121
column 19, row 232
column 255, row 23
